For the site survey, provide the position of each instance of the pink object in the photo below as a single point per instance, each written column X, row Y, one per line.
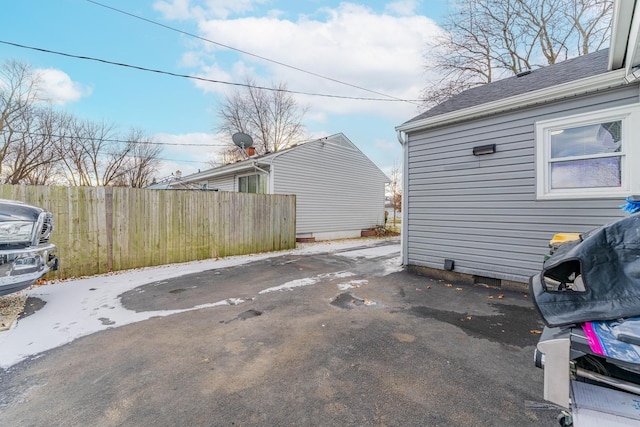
column 592, row 338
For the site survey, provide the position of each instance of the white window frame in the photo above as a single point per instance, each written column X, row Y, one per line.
column 262, row 175
column 629, row 115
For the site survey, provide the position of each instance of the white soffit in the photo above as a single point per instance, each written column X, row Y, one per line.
column 633, row 49
column 621, row 27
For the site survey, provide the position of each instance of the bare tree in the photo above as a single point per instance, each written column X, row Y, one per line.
column 94, row 156
column 490, row 39
column 143, row 161
column 228, row 155
column 39, row 145
column 32, row 151
column 73, row 156
column 394, row 189
column 592, row 23
column 114, row 167
column 18, row 92
column 272, row 118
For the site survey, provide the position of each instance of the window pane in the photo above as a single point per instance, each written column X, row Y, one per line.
column 586, row 140
column 591, row 173
column 262, row 189
column 252, row 184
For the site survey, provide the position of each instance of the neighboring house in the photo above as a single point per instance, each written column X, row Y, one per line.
column 493, row 173
column 339, row 191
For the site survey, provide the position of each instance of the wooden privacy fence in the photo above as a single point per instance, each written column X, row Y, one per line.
column 101, row 229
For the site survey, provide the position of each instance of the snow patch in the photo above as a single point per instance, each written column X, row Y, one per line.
column 307, row 281
column 352, row 284
column 374, row 252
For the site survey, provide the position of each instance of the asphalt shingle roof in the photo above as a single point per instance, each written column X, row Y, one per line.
column 563, row 72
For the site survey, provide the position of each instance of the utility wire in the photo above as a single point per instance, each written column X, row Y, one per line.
column 182, row 161
column 117, row 140
column 169, row 73
column 250, row 54
column 221, row 144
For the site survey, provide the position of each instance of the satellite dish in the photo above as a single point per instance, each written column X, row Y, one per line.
column 242, row 140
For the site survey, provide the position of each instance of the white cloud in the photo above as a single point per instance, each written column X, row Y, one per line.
column 351, row 43
column 177, row 10
column 186, row 9
column 317, row 116
column 191, row 59
column 379, row 50
column 234, row 74
column 224, row 8
column 57, row 87
column 402, row 7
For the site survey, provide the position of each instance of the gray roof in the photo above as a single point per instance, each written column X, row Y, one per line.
column 249, row 162
column 563, row 72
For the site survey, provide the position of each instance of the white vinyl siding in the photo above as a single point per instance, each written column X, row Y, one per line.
column 223, row 183
column 483, row 211
column 337, row 187
column 339, row 191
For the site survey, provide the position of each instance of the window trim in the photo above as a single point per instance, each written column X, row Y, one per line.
column 629, row 115
column 262, row 175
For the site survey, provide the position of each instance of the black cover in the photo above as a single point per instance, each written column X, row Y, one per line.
column 607, row 261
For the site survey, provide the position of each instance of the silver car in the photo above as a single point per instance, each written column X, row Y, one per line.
column 25, row 251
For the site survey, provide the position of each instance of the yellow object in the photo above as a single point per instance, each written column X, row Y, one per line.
column 561, row 238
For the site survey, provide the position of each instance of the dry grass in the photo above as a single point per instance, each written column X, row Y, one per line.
column 10, row 308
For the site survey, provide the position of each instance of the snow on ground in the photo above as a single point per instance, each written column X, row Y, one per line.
column 288, row 286
column 80, row 307
column 372, row 252
column 391, row 265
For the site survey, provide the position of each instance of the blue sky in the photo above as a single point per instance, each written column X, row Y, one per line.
column 375, row 44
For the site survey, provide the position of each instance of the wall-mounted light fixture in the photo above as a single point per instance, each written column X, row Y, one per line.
column 484, row 149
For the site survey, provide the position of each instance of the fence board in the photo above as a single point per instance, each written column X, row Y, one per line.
column 101, row 229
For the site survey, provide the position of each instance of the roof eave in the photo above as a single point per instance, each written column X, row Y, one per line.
column 222, row 170
column 565, row 90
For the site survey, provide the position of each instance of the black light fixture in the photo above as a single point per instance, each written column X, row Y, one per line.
column 484, row 149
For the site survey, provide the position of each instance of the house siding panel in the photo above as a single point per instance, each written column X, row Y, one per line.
column 223, row 183
column 347, row 191
column 482, row 211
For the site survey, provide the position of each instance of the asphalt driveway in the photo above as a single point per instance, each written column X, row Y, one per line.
column 342, row 337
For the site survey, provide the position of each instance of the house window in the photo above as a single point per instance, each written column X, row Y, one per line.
column 588, row 155
column 253, row 184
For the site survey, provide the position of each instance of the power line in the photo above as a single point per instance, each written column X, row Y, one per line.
column 169, row 73
column 222, row 144
column 391, row 97
column 182, row 161
column 118, row 140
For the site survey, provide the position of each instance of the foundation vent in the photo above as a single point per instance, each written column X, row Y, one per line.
column 487, row 281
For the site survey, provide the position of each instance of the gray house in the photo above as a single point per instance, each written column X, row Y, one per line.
column 493, row 173
column 339, row 191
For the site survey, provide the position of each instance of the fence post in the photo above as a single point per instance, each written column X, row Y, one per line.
column 108, row 213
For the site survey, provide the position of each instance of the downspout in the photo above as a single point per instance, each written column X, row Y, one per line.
column 402, row 138
column 272, row 177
